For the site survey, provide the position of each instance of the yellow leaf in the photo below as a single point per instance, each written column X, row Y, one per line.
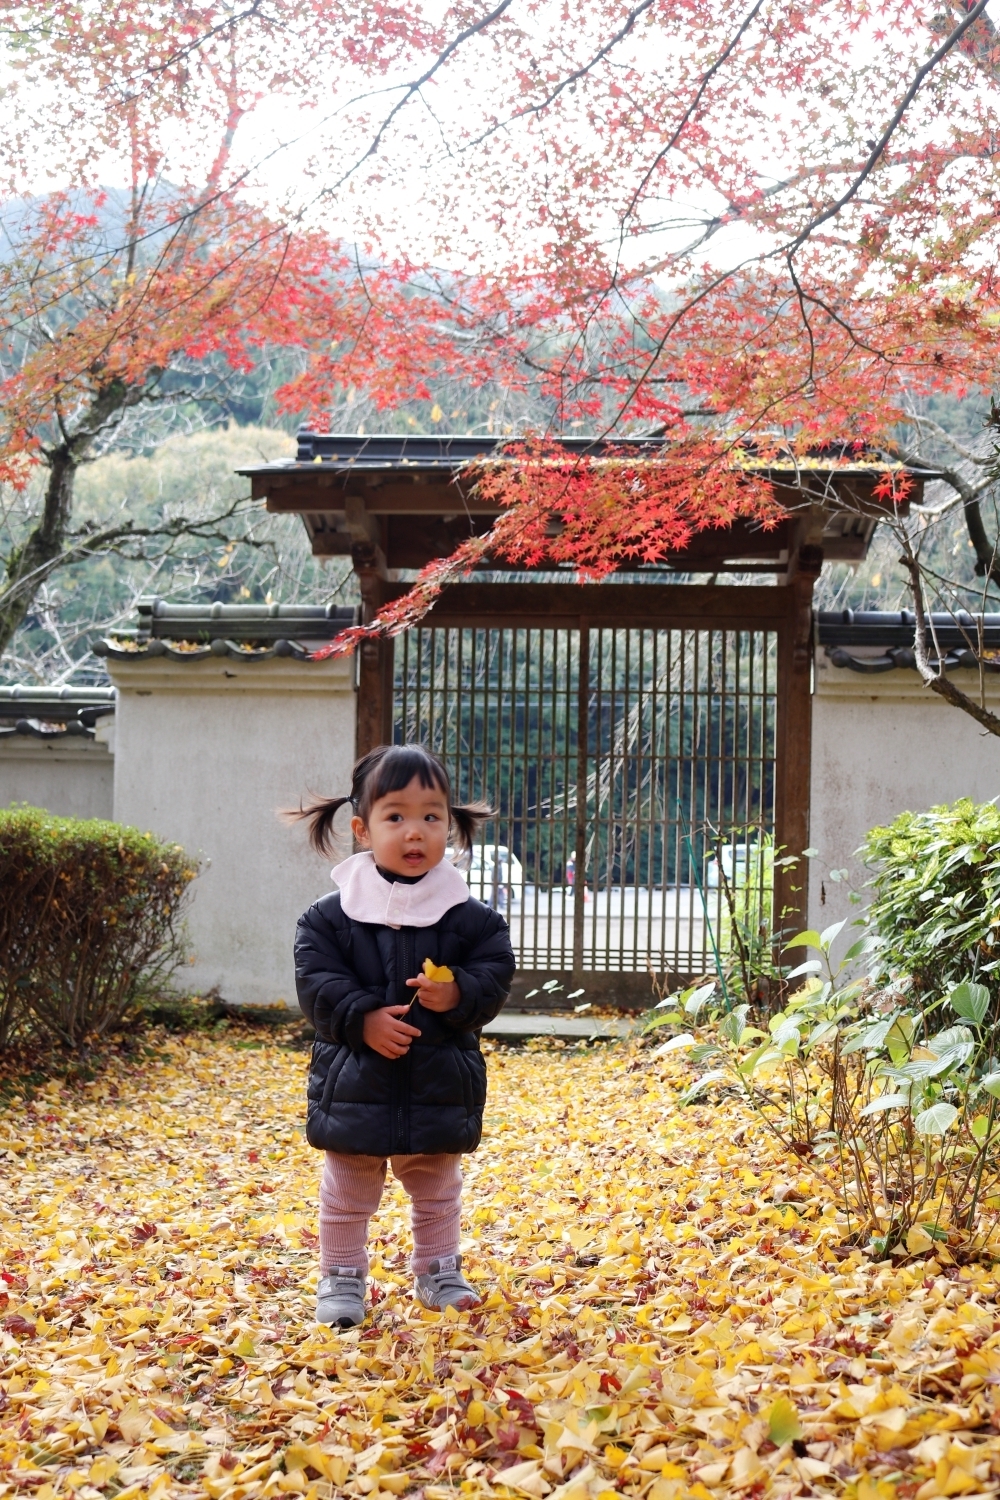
column 527, row 1478
column 918, row 1241
column 396, row 1484
column 783, row 1425
column 436, row 413
column 101, row 1470
column 301, row 1456
column 133, row 1423
column 746, row 1466
column 440, row 973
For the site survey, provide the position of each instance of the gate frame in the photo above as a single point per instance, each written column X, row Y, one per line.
column 784, row 609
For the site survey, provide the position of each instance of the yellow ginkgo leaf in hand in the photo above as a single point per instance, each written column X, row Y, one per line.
column 440, row 973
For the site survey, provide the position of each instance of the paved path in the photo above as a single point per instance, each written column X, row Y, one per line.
column 516, row 1027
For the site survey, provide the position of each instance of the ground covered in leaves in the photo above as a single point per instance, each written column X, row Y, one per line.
column 667, row 1310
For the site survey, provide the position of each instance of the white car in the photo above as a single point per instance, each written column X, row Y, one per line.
column 495, row 875
column 735, row 861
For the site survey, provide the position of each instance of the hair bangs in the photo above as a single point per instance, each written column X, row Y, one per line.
column 402, row 764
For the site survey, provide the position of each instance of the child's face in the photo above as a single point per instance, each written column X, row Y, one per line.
column 407, row 831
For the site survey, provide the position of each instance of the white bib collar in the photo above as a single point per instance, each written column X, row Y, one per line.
column 366, row 897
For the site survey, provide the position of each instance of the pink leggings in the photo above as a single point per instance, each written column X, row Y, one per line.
column 350, row 1191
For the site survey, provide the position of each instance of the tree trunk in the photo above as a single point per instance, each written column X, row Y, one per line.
column 45, row 550
column 936, row 680
column 987, row 562
column 30, row 565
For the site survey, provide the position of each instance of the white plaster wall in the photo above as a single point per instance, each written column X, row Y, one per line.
column 73, row 778
column 881, row 745
column 206, row 753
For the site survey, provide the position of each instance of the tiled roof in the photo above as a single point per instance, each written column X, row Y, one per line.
column 873, row 641
column 449, row 453
column 243, row 632
column 53, row 712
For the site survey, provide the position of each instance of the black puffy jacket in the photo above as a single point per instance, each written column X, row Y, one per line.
column 431, row 1100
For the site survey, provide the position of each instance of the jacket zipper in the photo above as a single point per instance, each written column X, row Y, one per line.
column 401, row 1064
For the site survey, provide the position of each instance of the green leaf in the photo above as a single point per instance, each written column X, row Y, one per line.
column 731, row 1026
column 861, row 947
column 899, row 1040
column 808, row 939
column 956, row 1043
column 811, row 966
column 924, row 1067
column 970, row 1001
column 936, row 1120
column 700, row 1085
column 669, row 1018
column 991, row 1083
column 830, row 934
column 747, row 1066
column 868, row 1038
column 786, row 1031
column 694, row 998
column 884, row 1102
column 823, row 1031
column 676, row 1044
column 783, row 1425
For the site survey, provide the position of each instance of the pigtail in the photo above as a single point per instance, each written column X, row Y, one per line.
column 468, row 820
column 319, row 816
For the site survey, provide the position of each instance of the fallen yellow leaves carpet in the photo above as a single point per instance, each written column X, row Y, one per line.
column 665, row 1315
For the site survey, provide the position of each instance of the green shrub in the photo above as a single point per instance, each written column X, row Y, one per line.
column 89, row 921
column 936, row 905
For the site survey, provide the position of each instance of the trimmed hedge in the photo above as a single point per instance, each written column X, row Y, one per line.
column 936, row 905
column 89, row 922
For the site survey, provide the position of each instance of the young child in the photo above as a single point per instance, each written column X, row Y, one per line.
column 396, row 1071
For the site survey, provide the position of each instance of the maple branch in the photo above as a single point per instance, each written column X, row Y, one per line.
column 688, row 114
column 198, row 43
column 416, row 85
column 87, row 542
column 878, row 150
column 937, row 681
column 920, row 420
column 969, row 494
column 571, row 78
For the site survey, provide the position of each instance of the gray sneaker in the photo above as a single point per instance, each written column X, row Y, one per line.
column 443, row 1285
column 340, row 1298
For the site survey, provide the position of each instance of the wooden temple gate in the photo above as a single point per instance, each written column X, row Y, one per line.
column 632, row 735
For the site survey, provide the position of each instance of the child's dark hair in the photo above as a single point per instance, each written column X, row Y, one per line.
column 389, row 768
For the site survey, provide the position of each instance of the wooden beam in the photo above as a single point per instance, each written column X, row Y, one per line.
column 794, row 742
column 375, row 658
column 665, row 606
column 329, row 492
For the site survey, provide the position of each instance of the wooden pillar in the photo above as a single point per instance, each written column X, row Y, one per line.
column 375, row 658
column 794, row 740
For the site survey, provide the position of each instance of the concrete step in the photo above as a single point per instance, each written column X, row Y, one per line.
column 514, row 1026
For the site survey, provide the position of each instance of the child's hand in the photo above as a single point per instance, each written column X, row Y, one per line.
column 433, row 995
column 386, row 1032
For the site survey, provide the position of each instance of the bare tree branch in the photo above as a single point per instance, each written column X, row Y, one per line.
column 937, row 681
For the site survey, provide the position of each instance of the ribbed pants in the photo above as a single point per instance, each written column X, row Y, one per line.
column 350, row 1192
